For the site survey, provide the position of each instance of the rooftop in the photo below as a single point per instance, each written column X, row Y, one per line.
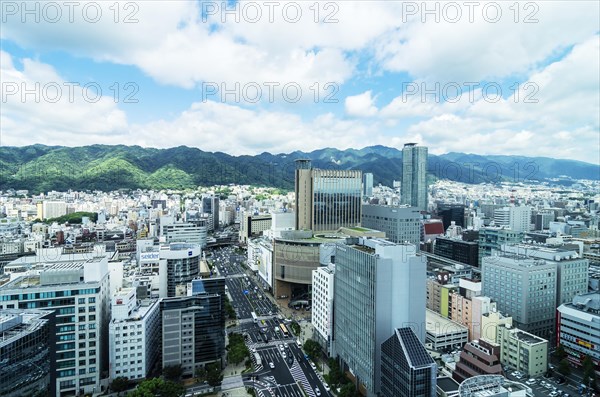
column 438, row 325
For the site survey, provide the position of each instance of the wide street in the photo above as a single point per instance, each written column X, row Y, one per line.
column 290, row 367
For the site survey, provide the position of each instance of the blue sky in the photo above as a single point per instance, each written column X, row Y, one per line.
column 362, row 76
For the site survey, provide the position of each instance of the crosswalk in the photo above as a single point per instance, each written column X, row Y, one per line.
column 257, row 367
column 299, row 376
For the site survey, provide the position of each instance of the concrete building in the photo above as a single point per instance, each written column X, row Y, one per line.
column 78, row 292
column 451, row 212
column 572, row 270
column 53, row 209
column 260, row 260
column 382, row 281
column 252, row 225
column 439, row 291
column 406, row 368
column 444, row 334
column 327, row 199
column 490, row 323
column 523, row 288
column 322, row 305
column 400, row 224
column 492, row 238
column 478, row 358
column 578, row 329
column 27, row 352
column 185, row 233
column 517, row 219
column 193, row 326
column 133, row 334
column 414, row 176
column 179, row 264
column 523, row 351
column 295, row 255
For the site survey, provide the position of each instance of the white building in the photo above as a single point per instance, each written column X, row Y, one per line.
column 260, row 259
column 53, row 209
column 322, row 304
column 134, row 335
column 185, row 233
column 517, row 219
column 443, row 333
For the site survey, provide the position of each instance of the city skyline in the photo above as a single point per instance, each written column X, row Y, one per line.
column 357, row 84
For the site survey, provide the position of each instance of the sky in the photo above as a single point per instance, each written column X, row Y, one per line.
column 512, row 78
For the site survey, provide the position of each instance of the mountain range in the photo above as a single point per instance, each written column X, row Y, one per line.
column 40, row 168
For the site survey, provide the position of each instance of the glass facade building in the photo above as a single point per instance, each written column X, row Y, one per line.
column 378, row 287
column 414, row 176
column 407, row 370
column 193, row 327
column 27, row 353
column 327, row 200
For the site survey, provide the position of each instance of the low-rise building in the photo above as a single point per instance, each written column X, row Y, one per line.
column 444, row 334
column 523, row 351
column 478, row 358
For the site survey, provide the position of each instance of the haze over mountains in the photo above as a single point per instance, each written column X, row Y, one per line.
column 39, row 168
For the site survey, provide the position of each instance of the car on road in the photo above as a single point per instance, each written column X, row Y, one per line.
column 313, row 366
column 283, row 355
column 298, row 343
column 281, row 348
column 317, row 391
column 326, row 386
column 553, row 394
column 253, row 350
column 286, row 345
column 271, row 365
column 530, row 381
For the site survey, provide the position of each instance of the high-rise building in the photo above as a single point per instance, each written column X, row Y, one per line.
column 322, row 305
column 53, row 209
column 193, row 326
column 523, row 288
column 407, row 369
column 572, row 271
column 382, row 281
column 451, row 212
column 133, row 334
column 179, row 264
column 78, row 292
column 400, row 224
column 27, row 352
column 515, row 218
column 253, row 225
column 210, row 205
column 578, row 329
column 367, row 184
column 327, row 200
column 414, row 176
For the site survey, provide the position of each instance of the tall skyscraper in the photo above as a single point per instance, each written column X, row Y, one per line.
column 378, row 287
column 414, row 176
column 406, row 368
column 368, row 184
column 210, row 205
column 327, row 199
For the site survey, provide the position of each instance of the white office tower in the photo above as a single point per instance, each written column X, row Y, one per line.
column 518, row 219
column 78, row 293
column 322, row 310
column 134, row 335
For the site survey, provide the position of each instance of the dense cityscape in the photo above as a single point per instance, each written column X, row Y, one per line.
column 337, row 288
column 280, row 198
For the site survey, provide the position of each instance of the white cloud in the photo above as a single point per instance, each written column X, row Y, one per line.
column 39, row 106
column 361, row 105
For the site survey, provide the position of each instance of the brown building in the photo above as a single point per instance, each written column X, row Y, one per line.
column 478, row 358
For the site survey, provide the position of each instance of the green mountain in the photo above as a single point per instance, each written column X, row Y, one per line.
column 40, row 168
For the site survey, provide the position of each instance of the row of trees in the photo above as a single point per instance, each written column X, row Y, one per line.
column 564, row 367
column 169, row 385
column 237, row 350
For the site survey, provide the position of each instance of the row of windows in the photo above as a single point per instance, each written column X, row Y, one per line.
column 46, row 295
